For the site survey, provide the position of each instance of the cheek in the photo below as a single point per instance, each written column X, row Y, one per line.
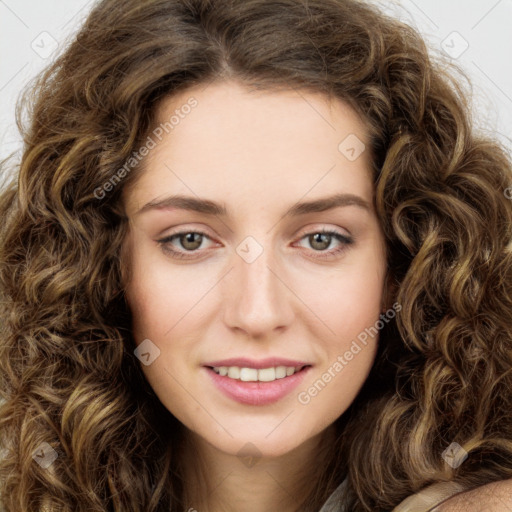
column 350, row 305
column 164, row 301
column 156, row 296
column 347, row 298
column 348, row 359
column 159, row 314
column 334, row 390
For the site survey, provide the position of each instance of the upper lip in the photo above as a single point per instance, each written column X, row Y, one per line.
column 244, row 362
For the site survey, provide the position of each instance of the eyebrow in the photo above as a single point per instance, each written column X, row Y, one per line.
column 209, row 207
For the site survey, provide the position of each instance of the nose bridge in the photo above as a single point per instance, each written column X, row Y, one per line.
column 258, row 299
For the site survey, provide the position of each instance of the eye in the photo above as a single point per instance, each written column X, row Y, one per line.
column 321, row 240
column 190, row 241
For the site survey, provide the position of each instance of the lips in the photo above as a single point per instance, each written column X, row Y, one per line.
column 256, row 382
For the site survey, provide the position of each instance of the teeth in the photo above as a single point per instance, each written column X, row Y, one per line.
column 267, row 374
column 255, row 375
column 248, row 374
column 281, row 371
column 234, row 372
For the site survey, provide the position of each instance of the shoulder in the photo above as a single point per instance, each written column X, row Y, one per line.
column 493, row 497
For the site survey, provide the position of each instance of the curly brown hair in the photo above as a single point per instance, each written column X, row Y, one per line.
column 69, row 378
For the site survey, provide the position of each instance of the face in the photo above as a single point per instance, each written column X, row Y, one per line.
column 256, row 262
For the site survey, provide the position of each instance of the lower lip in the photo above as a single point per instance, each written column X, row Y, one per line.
column 257, row 393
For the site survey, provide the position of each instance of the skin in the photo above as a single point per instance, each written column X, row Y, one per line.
column 493, row 497
column 259, row 153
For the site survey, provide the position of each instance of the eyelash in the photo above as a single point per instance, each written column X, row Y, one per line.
column 345, row 240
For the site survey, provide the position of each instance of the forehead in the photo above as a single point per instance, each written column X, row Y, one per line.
column 235, row 110
column 237, row 142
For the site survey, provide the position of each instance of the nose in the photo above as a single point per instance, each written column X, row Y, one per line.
column 259, row 301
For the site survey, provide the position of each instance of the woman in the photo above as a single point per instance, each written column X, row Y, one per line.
column 256, row 259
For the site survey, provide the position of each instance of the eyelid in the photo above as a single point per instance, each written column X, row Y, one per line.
column 322, row 228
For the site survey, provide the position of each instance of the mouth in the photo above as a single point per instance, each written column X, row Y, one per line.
column 260, row 386
column 248, row 374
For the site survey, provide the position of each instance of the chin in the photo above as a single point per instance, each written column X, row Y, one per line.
column 263, row 440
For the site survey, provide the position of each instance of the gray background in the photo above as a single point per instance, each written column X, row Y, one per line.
column 475, row 33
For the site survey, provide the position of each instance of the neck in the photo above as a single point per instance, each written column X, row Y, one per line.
column 216, row 481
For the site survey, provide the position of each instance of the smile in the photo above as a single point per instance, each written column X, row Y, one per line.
column 256, row 375
column 256, row 382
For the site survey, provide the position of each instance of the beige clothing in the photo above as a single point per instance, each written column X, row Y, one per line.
column 424, row 501
column 429, row 498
